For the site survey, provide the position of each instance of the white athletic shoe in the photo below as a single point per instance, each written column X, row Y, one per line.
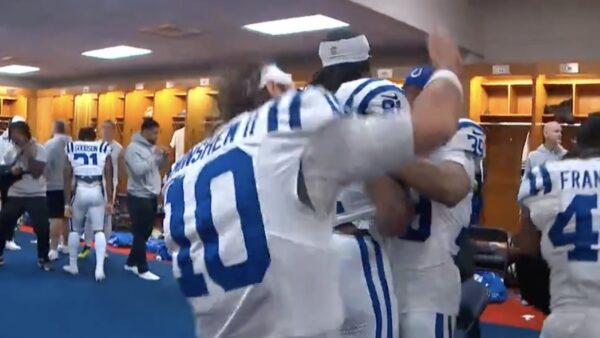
column 12, row 246
column 148, row 276
column 100, row 276
column 63, row 249
column 74, row 270
column 133, row 269
column 53, row 255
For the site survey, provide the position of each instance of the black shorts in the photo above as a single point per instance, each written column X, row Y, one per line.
column 56, row 203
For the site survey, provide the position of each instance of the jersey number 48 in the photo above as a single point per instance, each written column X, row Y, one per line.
column 236, row 166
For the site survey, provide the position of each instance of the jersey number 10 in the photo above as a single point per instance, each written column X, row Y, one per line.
column 86, row 158
column 585, row 239
column 252, row 271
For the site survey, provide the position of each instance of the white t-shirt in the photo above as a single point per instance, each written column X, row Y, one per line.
column 178, row 143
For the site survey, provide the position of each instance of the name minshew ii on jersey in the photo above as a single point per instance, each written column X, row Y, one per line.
column 426, row 280
column 247, row 248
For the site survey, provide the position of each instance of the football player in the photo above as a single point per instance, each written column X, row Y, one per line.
column 562, row 220
column 426, row 279
column 249, row 210
column 370, row 306
column 89, row 163
column 108, row 135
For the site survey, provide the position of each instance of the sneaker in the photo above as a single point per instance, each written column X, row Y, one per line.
column 85, row 252
column 44, row 265
column 131, row 268
column 63, row 249
column 99, row 275
column 53, row 255
column 73, row 270
column 148, row 276
column 12, row 246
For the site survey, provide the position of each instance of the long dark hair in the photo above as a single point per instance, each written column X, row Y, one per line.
column 21, row 127
column 588, row 137
column 239, row 91
column 332, row 77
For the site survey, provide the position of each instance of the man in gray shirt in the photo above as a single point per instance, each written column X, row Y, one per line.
column 27, row 194
column 143, row 160
column 55, row 166
column 550, row 151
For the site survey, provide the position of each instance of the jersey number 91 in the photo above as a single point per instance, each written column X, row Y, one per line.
column 238, row 165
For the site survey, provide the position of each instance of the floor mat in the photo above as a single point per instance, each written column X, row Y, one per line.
column 55, row 304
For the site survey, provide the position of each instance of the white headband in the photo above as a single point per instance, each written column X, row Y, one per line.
column 355, row 49
column 272, row 73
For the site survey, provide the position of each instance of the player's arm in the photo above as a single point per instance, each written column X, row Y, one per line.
column 393, row 207
column 36, row 159
column 68, row 187
column 528, row 239
column 447, row 182
column 108, row 178
column 138, row 165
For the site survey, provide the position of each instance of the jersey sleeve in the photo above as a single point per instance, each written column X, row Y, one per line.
column 535, row 184
column 537, row 195
column 302, row 111
column 470, row 138
column 69, row 150
column 372, row 96
column 105, row 148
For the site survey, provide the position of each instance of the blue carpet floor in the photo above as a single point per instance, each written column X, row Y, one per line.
column 499, row 331
column 36, row 304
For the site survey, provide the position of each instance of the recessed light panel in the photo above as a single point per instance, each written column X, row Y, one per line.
column 296, row 25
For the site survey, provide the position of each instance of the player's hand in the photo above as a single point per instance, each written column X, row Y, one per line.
column 109, row 209
column 16, row 170
column 162, row 150
column 443, row 51
column 68, row 211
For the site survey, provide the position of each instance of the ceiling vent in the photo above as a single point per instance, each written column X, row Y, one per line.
column 171, row 31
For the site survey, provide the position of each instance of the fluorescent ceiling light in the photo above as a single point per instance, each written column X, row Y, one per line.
column 116, row 52
column 18, row 69
column 296, row 25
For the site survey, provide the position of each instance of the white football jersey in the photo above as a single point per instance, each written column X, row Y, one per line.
column 87, row 158
column 426, row 278
column 253, row 260
column 367, row 96
column 562, row 198
column 372, row 96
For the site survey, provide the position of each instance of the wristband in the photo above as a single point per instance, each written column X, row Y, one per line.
column 447, row 75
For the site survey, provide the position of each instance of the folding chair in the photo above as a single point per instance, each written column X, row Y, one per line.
column 474, row 299
column 491, row 248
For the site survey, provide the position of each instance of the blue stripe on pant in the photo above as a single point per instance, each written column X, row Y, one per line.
column 440, row 322
column 367, row 270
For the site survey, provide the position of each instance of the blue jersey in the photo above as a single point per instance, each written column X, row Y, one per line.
column 253, row 260
column 562, row 198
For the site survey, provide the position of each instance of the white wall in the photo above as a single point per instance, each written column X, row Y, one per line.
column 457, row 15
column 533, row 30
